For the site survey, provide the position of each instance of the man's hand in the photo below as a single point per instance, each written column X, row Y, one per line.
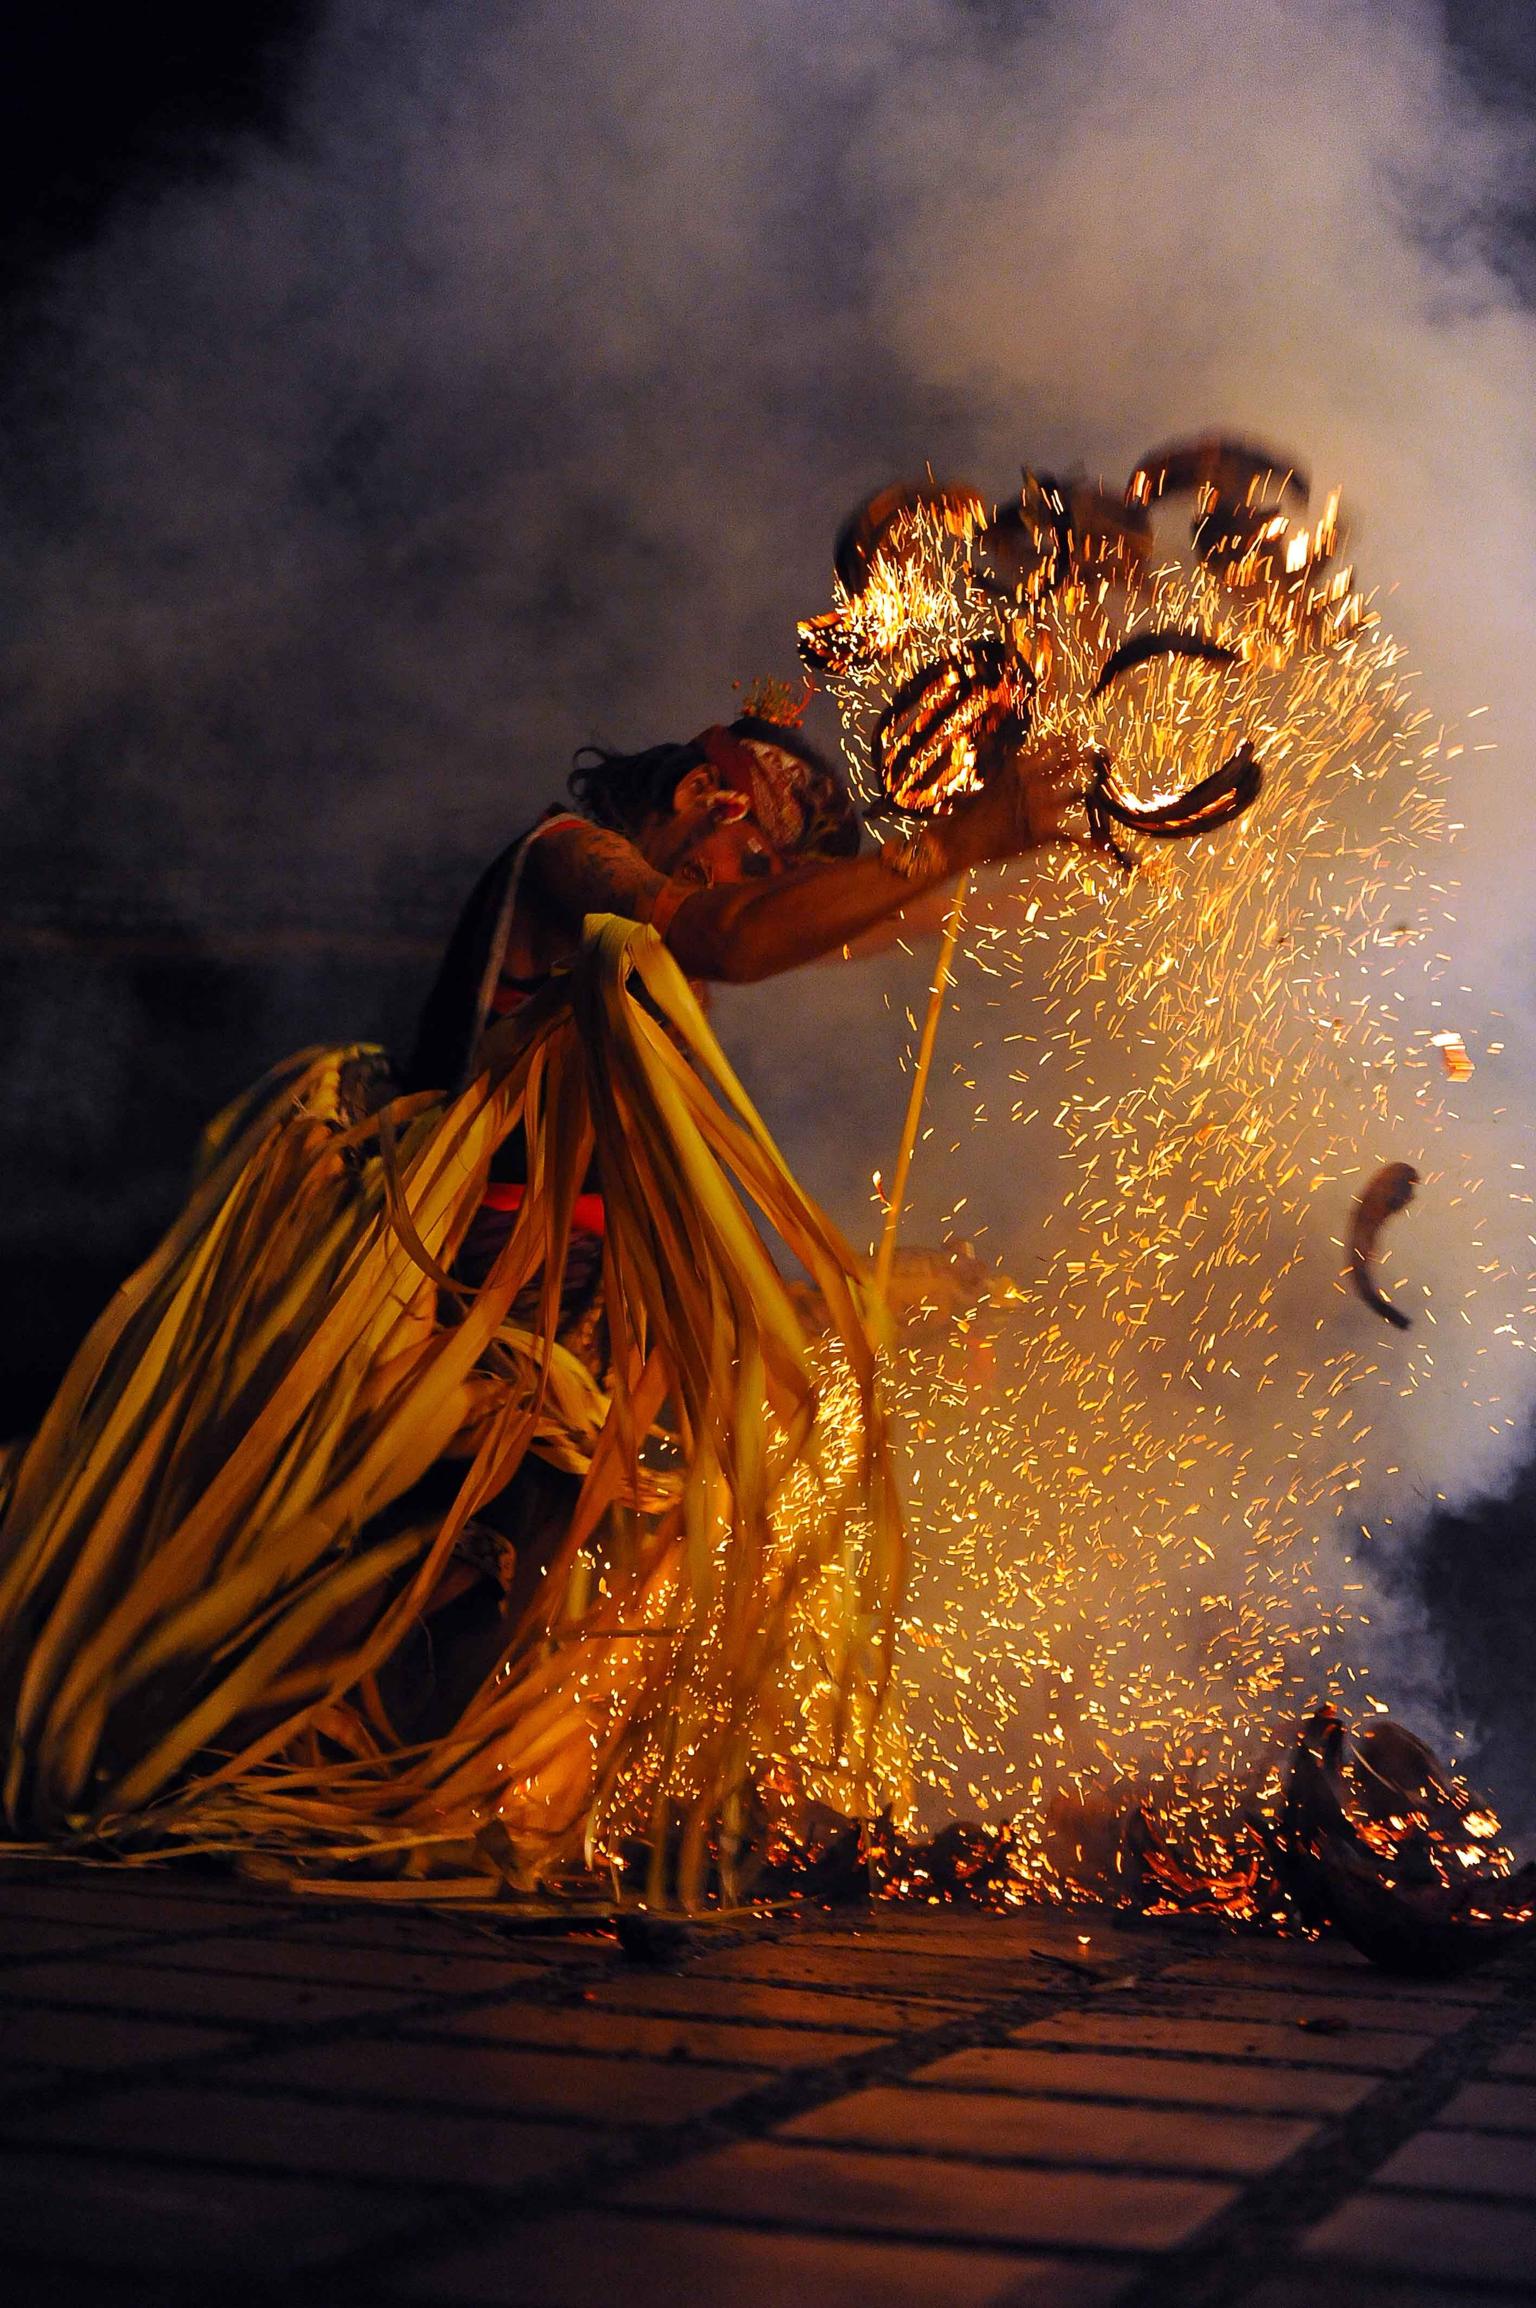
column 1028, row 801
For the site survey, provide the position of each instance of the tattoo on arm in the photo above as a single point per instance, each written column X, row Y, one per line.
column 586, row 869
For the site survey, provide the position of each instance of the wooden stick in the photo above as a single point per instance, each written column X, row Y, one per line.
column 886, row 1255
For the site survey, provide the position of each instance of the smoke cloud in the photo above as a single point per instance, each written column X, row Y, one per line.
column 511, row 398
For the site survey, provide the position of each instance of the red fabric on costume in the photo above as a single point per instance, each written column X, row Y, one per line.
column 588, row 1215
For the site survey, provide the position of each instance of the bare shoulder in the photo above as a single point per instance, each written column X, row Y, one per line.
column 590, row 869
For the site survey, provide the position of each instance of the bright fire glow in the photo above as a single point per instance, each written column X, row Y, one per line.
column 1139, row 1491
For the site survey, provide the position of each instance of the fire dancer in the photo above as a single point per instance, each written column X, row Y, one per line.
column 357, row 1349
column 741, row 848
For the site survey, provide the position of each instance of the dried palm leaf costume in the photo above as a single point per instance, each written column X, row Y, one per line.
column 278, row 1458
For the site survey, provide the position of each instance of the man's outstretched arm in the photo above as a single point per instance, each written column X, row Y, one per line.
column 739, row 932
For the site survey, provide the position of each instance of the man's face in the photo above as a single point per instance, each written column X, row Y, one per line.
column 730, row 850
column 712, row 835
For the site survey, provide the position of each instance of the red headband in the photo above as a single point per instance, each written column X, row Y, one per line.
column 777, row 796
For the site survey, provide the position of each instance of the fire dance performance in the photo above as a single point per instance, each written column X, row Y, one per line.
column 415, row 1501
column 458, row 1491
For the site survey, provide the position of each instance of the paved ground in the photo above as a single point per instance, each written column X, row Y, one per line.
column 212, row 2093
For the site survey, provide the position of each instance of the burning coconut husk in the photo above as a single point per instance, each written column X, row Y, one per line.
column 1376, row 1837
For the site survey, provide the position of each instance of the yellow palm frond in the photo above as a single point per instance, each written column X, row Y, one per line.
column 194, row 1609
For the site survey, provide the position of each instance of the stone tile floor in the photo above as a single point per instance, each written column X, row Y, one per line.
column 213, row 2092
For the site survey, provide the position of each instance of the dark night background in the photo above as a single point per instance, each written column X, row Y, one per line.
column 105, row 113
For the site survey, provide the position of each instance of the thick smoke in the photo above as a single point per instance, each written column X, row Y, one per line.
column 512, row 397
column 510, row 401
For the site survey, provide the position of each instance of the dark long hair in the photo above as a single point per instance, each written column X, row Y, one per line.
column 623, row 790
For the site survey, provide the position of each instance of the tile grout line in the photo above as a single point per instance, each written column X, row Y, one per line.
column 1244, row 2242
column 550, row 1983
column 478, row 2217
column 458, row 2214
column 1257, row 2235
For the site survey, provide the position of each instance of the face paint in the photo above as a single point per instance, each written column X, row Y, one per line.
column 771, row 782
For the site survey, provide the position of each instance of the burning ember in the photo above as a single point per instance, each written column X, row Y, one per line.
column 1453, row 1057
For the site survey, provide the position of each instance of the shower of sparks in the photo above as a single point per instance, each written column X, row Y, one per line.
column 1145, row 1496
